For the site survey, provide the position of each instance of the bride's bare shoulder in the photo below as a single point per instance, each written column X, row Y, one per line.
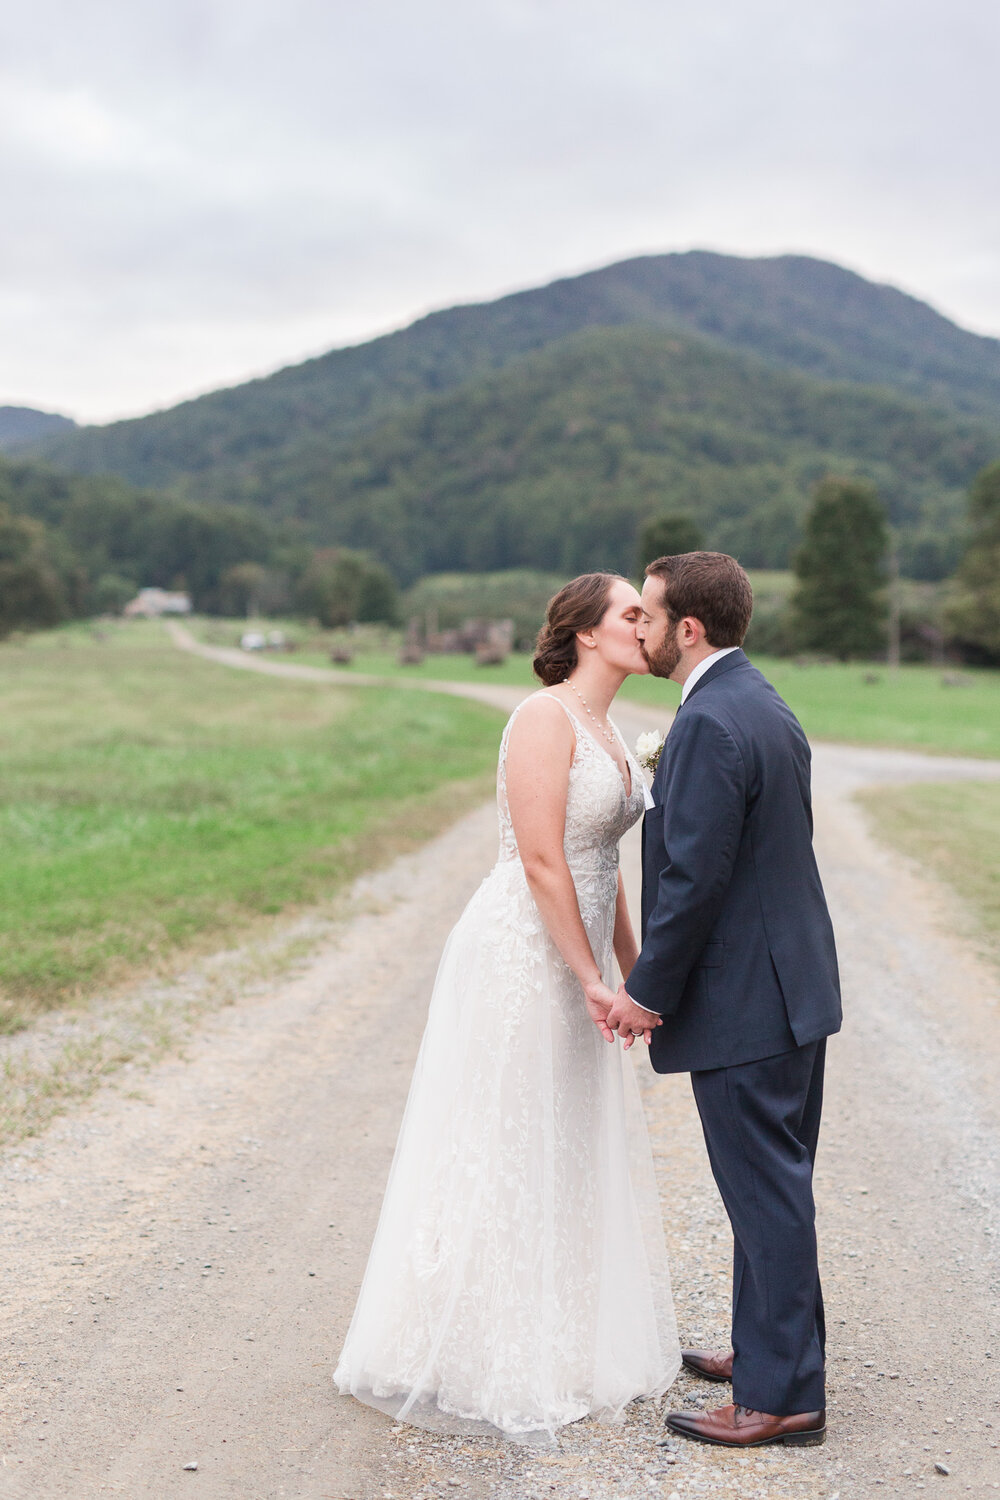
column 542, row 717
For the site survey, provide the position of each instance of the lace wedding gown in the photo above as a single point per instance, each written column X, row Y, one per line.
column 518, row 1279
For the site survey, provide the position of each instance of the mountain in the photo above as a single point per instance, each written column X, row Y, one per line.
column 555, row 461
column 792, row 312
column 23, row 427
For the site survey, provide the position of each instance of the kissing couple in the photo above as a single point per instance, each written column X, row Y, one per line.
column 518, row 1279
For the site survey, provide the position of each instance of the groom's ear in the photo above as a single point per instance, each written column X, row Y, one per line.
column 692, row 631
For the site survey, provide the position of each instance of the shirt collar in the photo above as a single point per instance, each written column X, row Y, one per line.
column 703, row 667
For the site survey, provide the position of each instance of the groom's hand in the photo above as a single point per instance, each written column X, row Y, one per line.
column 630, row 1020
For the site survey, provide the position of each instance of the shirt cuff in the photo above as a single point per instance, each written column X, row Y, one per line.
column 646, row 1008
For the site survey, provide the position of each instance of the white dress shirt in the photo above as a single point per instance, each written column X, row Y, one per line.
column 697, row 673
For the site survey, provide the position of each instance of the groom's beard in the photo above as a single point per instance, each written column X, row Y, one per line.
column 663, row 658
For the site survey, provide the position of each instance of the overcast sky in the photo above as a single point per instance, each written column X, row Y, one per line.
column 196, row 191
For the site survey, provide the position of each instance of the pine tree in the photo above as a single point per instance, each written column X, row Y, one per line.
column 667, row 536
column 975, row 616
column 839, row 604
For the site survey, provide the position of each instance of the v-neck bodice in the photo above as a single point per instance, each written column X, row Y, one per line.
column 599, row 808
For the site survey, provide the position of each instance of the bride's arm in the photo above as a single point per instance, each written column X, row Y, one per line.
column 539, row 754
column 626, row 947
column 627, row 951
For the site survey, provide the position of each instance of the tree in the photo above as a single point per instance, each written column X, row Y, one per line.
column 33, row 594
column 666, row 536
column 839, row 604
column 339, row 586
column 111, row 592
column 379, row 598
column 330, row 587
column 974, row 618
column 242, row 588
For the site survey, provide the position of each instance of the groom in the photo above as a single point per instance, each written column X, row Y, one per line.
column 739, row 969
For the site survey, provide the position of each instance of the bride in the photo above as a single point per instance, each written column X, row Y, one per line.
column 518, row 1279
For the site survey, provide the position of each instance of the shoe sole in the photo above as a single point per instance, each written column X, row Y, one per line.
column 704, row 1375
column 790, row 1439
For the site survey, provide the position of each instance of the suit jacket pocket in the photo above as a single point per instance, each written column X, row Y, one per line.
column 713, row 955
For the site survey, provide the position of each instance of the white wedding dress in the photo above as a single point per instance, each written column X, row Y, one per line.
column 518, row 1278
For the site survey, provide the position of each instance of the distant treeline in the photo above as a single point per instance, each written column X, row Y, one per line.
column 74, row 546
column 78, row 546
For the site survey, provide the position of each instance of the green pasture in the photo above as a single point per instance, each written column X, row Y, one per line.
column 953, row 830
column 943, row 711
column 939, row 711
column 150, row 801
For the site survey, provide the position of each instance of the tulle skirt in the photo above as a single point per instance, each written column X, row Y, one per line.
column 518, row 1279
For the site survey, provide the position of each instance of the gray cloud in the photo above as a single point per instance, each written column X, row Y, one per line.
column 196, row 192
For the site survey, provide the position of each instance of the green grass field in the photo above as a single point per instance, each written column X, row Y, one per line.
column 915, row 708
column 150, row 801
column 953, row 831
column 941, row 711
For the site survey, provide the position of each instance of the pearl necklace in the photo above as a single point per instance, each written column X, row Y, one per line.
column 607, row 733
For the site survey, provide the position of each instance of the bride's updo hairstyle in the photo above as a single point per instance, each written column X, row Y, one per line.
column 580, row 606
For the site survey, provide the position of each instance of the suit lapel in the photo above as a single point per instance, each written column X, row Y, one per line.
column 724, row 664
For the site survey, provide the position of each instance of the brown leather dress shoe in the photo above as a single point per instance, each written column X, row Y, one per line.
column 708, row 1364
column 739, row 1427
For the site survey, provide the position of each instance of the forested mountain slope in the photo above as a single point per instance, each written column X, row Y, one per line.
column 555, row 461
column 792, row 312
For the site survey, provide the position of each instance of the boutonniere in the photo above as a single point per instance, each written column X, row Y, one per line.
column 647, row 749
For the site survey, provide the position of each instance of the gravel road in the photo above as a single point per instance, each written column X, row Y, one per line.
column 181, row 1253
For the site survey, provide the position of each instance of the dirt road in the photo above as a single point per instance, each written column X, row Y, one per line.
column 181, row 1254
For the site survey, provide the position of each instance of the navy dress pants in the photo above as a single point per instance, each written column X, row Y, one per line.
column 761, row 1124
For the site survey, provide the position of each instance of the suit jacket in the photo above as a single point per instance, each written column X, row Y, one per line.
column 737, row 952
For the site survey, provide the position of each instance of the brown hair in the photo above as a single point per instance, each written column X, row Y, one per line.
column 710, row 587
column 580, row 605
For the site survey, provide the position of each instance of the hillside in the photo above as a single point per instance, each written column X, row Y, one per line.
column 23, row 426
column 792, row 312
column 97, row 539
column 555, row 461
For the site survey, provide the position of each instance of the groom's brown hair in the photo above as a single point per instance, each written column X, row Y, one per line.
column 710, row 587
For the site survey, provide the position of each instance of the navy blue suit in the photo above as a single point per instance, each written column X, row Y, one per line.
column 738, row 957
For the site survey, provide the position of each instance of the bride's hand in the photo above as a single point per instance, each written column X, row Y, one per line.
column 599, row 1000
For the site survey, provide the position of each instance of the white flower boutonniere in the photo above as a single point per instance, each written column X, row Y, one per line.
column 647, row 749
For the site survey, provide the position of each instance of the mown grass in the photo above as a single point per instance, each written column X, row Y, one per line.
column 953, row 831
column 150, row 801
column 915, row 708
column 940, row 711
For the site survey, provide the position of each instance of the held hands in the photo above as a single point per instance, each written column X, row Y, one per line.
column 612, row 1013
column 630, row 1020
